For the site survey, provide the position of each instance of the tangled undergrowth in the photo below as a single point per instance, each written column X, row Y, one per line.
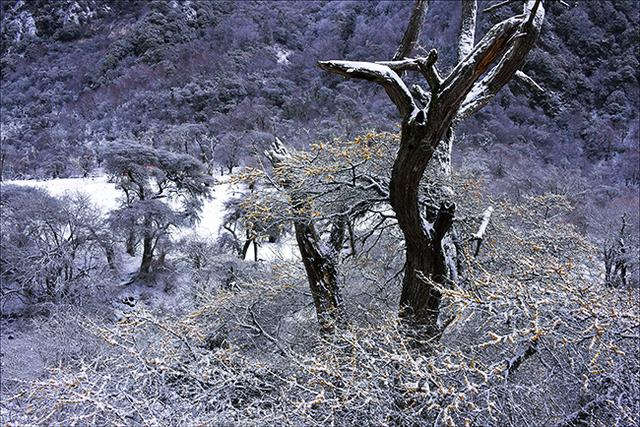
column 537, row 342
column 530, row 335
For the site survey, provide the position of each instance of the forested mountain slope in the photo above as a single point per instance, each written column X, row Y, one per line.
column 221, row 78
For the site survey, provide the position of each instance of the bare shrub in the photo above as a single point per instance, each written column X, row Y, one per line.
column 528, row 335
column 49, row 245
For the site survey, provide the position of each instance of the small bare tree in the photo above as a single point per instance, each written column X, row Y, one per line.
column 427, row 129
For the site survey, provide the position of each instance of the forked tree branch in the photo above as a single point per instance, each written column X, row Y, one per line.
column 392, row 81
column 462, row 92
column 466, row 39
column 492, row 46
column 428, row 69
column 425, row 65
column 511, row 40
column 412, row 32
column 381, row 74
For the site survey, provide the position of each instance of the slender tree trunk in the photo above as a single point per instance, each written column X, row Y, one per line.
column 147, row 249
column 161, row 258
column 110, row 255
column 623, row 274
column 255, row 250
column 319, row 262
column 321, row 275
column 246, row 246
column 147, row 256
column 608, row 265
column 131, row 243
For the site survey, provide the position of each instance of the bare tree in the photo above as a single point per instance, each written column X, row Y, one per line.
column 428, row 121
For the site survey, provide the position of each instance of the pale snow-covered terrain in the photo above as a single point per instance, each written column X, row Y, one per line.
column 105, row 196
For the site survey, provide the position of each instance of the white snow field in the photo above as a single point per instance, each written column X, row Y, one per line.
column 105, row 196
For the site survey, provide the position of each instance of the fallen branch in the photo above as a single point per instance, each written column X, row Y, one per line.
column 257, row 327
column 514, row 363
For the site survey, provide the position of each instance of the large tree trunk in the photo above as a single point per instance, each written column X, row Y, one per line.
column 426, row 257
column 428, row 120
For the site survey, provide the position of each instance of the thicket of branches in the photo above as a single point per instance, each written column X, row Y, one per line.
column 529, row 334
column 50, row 246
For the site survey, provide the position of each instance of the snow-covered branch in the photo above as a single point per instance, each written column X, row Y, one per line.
column 466, row 40
column 479, row 235
column 529, row 82
column 509, row 41
column 381, row 74
column 497, row 6
column 277, row 153
column 425, row 65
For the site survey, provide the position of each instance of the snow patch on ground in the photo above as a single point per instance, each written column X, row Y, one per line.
column 282, row 54
column 102, row 193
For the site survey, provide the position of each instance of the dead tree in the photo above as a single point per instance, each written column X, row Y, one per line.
column 615, row 256
column 319, row 258
column 428, row 120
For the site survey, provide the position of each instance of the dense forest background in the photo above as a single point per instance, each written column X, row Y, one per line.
column 79, row 74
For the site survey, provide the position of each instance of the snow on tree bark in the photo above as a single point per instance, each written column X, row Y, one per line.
column 319, row 259
column 478, row 76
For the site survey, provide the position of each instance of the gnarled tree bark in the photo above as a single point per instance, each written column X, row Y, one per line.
column 483, row 69
column 319, row 258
